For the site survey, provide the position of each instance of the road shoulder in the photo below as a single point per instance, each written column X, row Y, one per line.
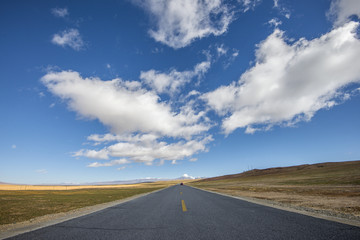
column 277, row 205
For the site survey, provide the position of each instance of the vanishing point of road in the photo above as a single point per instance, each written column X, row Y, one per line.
column 182, row 212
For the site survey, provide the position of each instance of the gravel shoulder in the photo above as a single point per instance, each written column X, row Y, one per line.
column 317, row 213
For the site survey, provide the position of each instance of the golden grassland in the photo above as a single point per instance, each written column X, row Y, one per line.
column 18, row 205
column 328, row 188
column 24, row 187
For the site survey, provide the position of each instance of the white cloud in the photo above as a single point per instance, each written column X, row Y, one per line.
column 146, row 150
column 235, row 53
column 248, row 4
column 122, row 138
column 290, row 82
column 221, row 50
column 121, row 168
column 275, row 22
column 52, row 105
column 226, row 54
column 283, row 10
column 143, row 128
column 123, row 105
column 60, row 12
column 102, row 154
column 172, row 82
column 13, row 146
column 341, row 10
column 70, row 37
column 193, row 159
column 179, row 23
column 109, row 164
column 276, row 3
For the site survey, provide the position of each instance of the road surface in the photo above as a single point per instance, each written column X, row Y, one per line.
column 182, row 212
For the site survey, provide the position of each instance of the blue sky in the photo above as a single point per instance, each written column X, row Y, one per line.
column 133, row 89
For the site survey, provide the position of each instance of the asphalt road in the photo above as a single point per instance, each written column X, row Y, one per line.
column 182, row 212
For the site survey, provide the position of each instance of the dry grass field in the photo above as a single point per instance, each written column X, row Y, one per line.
column 18, row 187
column 18, row 205
column 327, row 188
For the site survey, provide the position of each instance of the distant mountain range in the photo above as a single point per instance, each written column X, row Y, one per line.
column 142, row 180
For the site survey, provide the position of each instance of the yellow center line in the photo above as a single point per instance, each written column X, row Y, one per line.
column 183, row 206
column 180, row 193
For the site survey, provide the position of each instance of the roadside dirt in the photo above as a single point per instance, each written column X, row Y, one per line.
column 335, row 201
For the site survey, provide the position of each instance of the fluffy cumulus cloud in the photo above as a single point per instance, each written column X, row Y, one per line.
column 172, row 82
column 290, row 82
column 341, row 10
column 143, row 128
column 123, row 105
column 146, row 149
column 69, row 38
column 179, row 23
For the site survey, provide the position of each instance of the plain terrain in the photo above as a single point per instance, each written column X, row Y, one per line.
column 22, row 205
column 326, row 188
column 160, row 215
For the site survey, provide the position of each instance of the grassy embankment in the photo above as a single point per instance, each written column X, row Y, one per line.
column 329, row 188
column 22, row 205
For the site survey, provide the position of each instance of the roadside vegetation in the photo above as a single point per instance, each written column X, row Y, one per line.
column 22, row 205
column 327, row 188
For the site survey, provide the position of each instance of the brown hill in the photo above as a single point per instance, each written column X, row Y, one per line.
column 331, row 188
column 321, row 173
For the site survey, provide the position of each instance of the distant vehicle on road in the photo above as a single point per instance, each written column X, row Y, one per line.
column 181, row 184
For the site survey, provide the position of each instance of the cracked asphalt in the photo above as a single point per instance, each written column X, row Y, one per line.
column 161, row 215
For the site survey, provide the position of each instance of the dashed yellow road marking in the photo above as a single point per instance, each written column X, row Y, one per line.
column 183, row 206
column 180, row 193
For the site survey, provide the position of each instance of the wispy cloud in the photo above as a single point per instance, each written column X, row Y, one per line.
column 70, row 38
column 42, row 171
column 275, row 22
column 60, row 12
column 248, row 4
column 179, row 23
column 221, row 50
column 282, row 9
column 173, row 81
column 290, row 82
column 109, row 164
column 13, row 146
